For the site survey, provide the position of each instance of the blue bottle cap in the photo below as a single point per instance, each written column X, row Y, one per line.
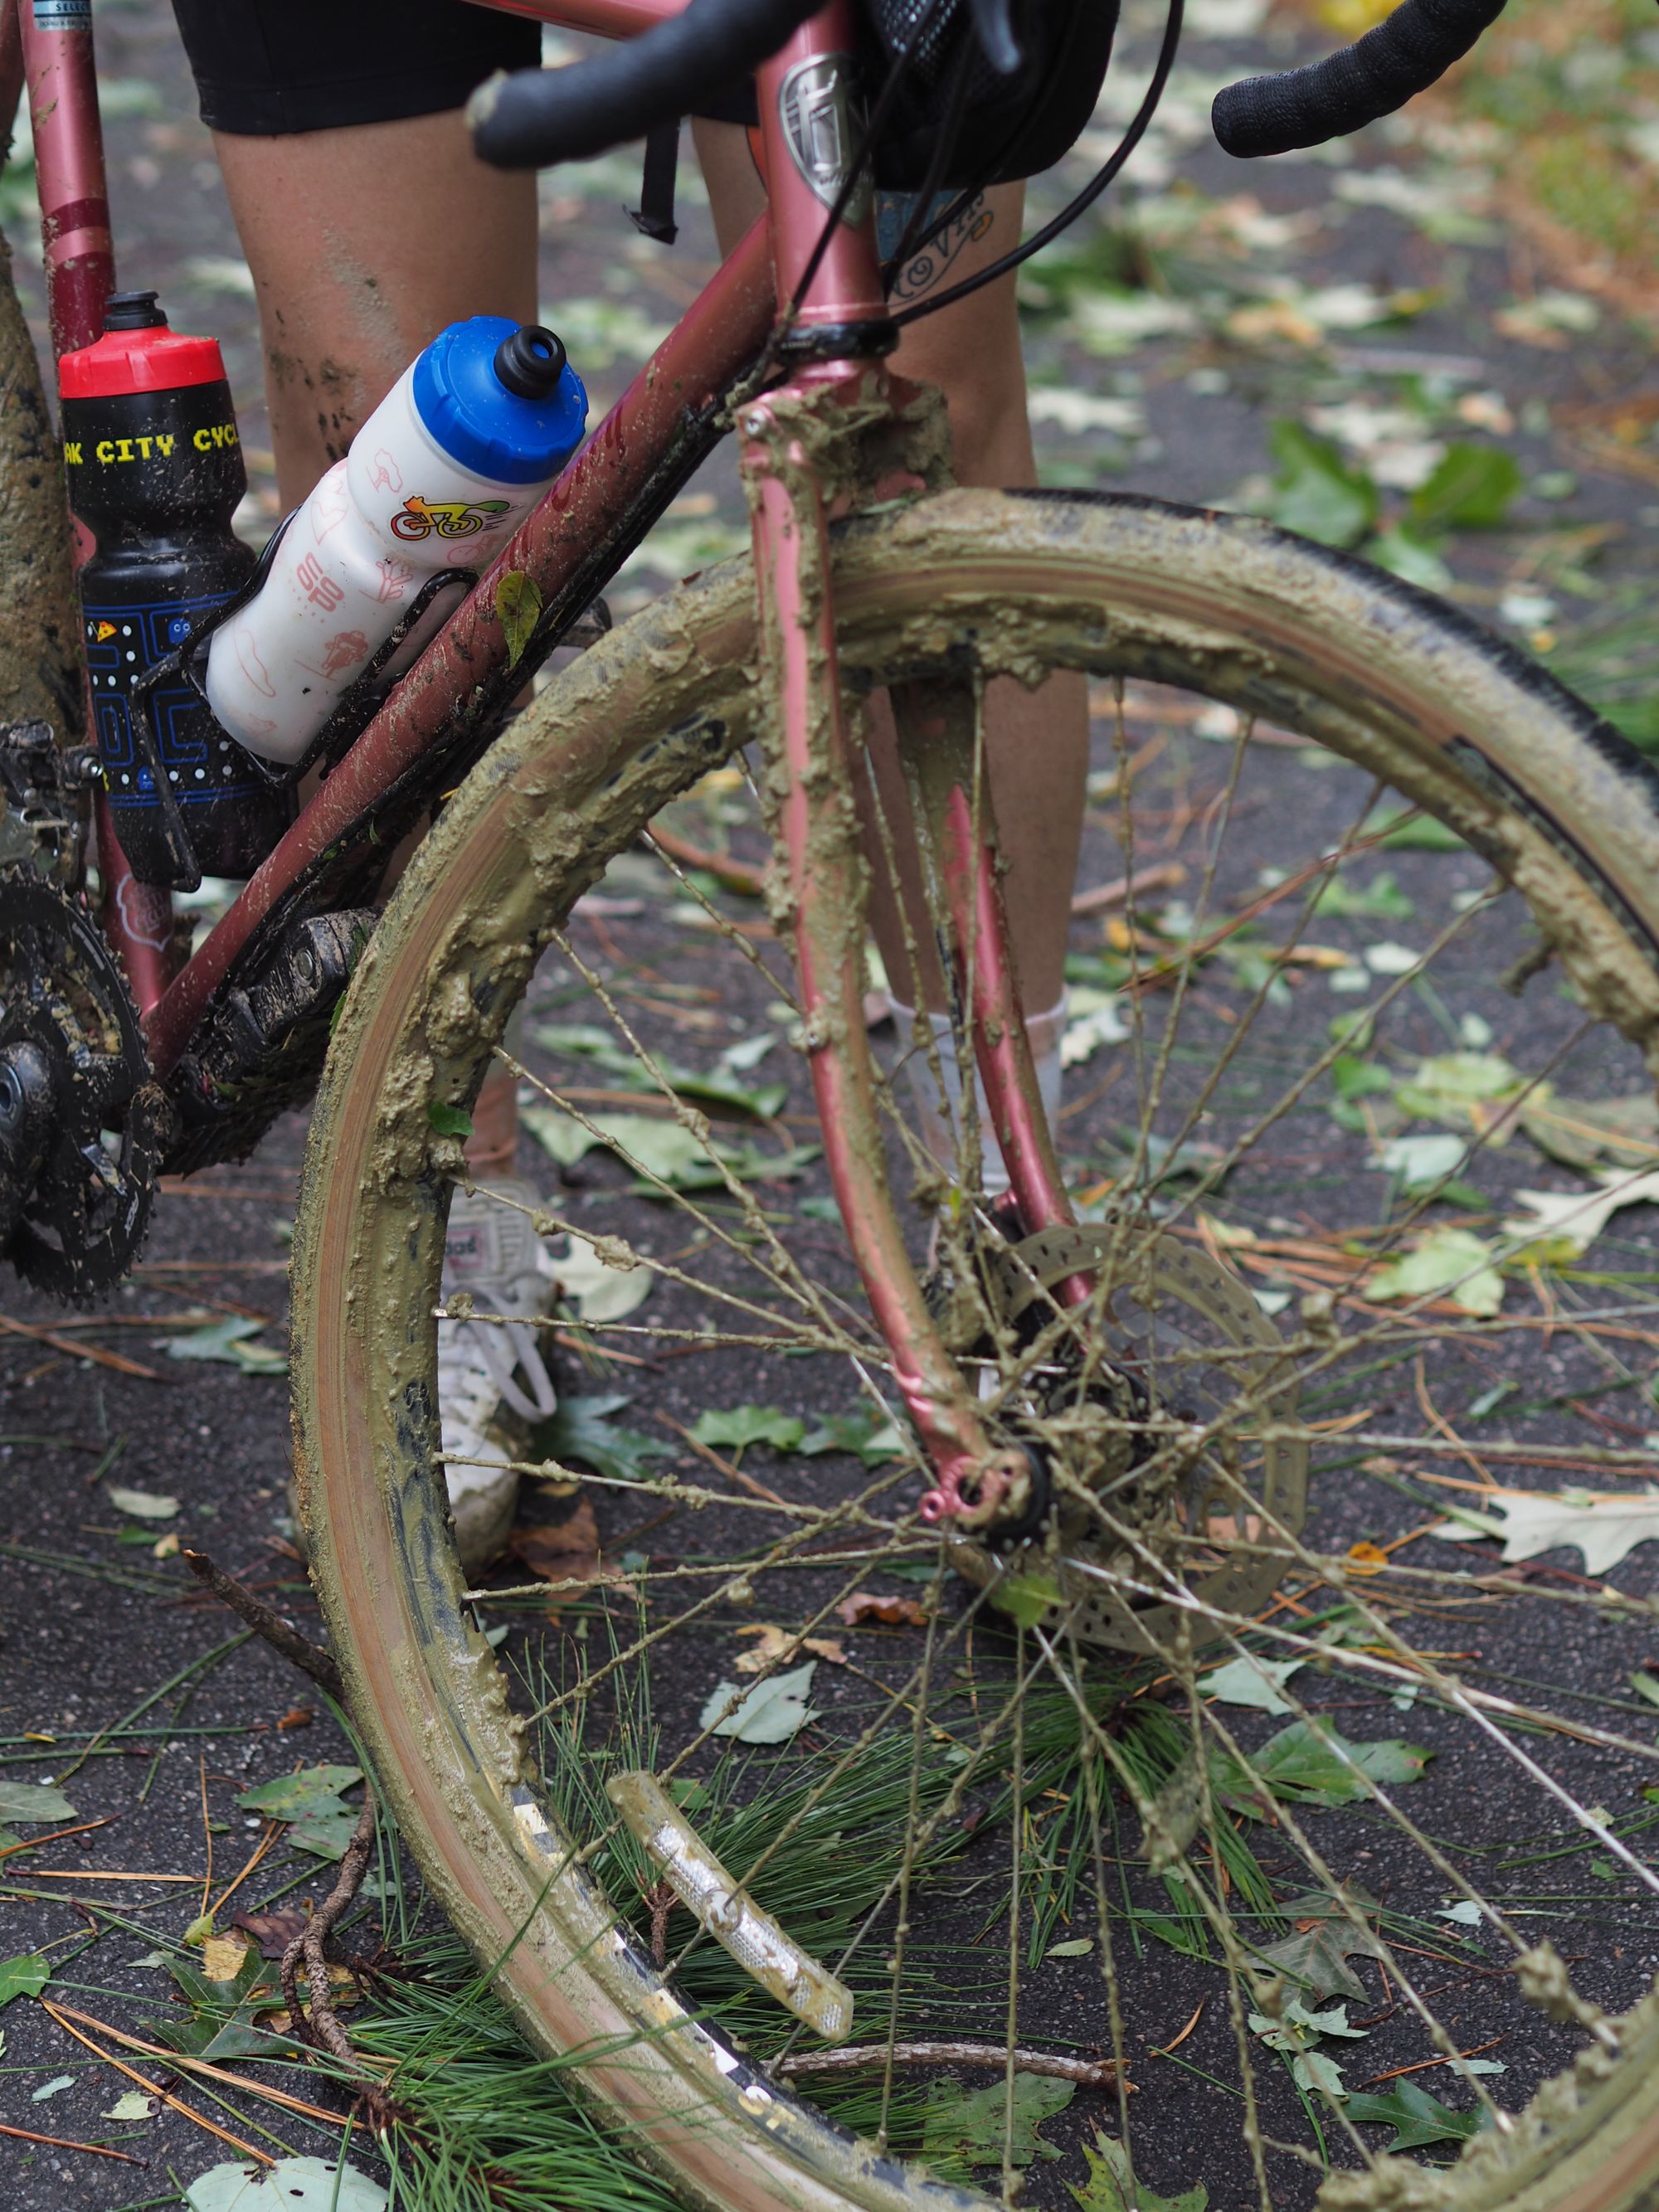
column 482, row 424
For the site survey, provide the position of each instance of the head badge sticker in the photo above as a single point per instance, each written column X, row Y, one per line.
column 819, row 107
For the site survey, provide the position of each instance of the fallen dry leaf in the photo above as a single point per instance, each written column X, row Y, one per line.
column 297, row 1716
column 777, row 1643
column 222, row 1957
column 562, row 1542
column 272, row 1931
column 875, row 1605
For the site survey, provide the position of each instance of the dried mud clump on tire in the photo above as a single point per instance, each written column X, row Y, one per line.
column 39, row 634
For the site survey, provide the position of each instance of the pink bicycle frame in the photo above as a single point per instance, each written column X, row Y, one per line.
column 724, row 330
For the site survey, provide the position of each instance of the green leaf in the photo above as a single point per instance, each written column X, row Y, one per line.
column 227, row 1343
column 53, row 2088
column 1317, row 492
column 23, row 1976
column 771, row 1712
column 1451, row 1085
column 1420, row 1161
column 597, row 1292
column 1416, row 2118
column 1322, row 1940
column 582, row 1434
column 966, row 2127
column 295, row 1796
column 1312, row 2070
column 1026, row 1599
column 134, row 2104
column 449, row 1120
column 34, row 1801
column 867, row 1433
column 1471, row 488
column 1079, row 1947
column 1403, row 553
column 142, row 1504
column 312, row 1801
column 1382, row 899
column 298, row 2184
column 561, row 1136
column 720, row 1088
column 1309, row 1763
column 1453, row 1263
column 1398, row 828
column 736, row 1427
column 518, row 608
column 1250, row 1682
column 1110, row 2189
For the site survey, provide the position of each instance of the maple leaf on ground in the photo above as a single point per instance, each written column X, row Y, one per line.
column 966, row 2127
column 1606, row 1526
column 1416, row 2118
column 1110, row 2188
column 1321, row 1941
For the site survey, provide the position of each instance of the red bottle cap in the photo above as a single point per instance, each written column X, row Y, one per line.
column 150, row 358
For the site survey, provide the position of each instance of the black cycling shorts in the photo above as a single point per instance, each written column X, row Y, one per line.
column 265, row 68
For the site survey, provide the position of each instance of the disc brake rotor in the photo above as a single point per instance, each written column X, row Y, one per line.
column 1171, row 1334
column 82, row 1224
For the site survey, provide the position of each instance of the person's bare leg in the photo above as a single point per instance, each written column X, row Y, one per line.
column 364, row 243
column 1036, row 742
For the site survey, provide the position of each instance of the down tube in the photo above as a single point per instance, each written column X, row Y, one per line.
column 465, row 672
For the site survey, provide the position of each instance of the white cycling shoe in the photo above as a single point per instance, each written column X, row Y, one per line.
column 493, row 1383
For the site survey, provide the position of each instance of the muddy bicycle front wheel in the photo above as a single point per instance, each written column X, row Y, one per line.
column 1212, row 644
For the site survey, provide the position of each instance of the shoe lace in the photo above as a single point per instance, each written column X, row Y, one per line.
column 500, row 1351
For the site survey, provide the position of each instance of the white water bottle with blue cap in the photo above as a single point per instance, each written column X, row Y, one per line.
column 440, row 475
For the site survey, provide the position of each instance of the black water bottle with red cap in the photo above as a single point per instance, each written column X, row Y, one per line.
column 155, row 473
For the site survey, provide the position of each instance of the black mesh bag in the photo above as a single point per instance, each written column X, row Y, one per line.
column 1006, row 126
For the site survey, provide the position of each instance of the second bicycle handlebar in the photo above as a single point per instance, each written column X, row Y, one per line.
column 533, row 118
column 1377, row 73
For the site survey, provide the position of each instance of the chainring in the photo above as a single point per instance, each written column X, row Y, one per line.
column 84, row 1225
column 1172, row 1296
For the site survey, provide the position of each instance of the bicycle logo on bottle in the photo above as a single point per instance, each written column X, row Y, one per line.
column 420, row 518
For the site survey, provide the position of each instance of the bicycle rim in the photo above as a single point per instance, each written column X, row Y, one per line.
column 1180, row 1486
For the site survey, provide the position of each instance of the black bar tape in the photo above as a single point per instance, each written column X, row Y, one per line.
column 1377, row 73
column 532, row 117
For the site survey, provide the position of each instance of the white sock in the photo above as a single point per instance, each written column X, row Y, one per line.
column 937, row 1116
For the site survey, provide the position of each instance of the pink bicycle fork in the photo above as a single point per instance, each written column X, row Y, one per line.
column 976, row 1479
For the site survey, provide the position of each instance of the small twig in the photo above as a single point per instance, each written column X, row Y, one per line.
column 660, row 1900
column 321, row 2027
column 95, row 1352
column 1123, row 888
column 60, row 2142
column 281, row 1635
column 731, row 875
column 1093, row 2073
column 245, row 2083
column 154, row 2089
column 727, row 1467
column 33, row 1842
